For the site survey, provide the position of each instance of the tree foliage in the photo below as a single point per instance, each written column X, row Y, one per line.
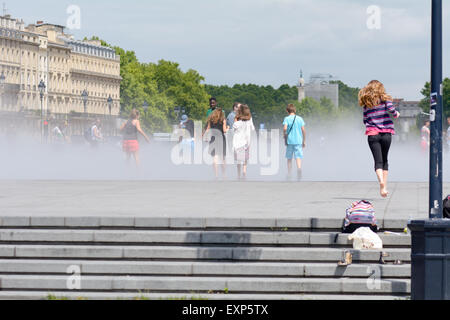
column 268, row 104
column 162, row 86
column 426, row 91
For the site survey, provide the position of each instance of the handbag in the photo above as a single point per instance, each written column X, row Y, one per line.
column 287, row 134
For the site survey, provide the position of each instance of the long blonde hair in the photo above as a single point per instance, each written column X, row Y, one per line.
column 244, row 113
column 373, row 94
column 216, row 116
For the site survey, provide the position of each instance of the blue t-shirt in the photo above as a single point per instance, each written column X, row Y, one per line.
column 295, row 135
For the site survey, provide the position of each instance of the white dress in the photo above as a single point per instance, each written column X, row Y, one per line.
column 242, row 139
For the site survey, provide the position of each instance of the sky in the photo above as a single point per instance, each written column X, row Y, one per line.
column 265, row 42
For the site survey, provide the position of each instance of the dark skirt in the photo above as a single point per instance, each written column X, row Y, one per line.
column 213, row 146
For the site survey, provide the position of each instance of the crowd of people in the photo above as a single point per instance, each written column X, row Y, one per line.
column 238, row 127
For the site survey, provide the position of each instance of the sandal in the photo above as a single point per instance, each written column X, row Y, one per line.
column 347, row 260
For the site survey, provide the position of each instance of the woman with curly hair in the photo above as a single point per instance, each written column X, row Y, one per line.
column 378, row 109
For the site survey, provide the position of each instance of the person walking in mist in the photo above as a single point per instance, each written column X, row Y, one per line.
column 448, row 134
column 378, row 109
column 295, row 139
column 232, row 115
column 130, row 131
column 216, row 126
column 96, row 133
column 425, row 136
column 212, row 106
column 242, row 128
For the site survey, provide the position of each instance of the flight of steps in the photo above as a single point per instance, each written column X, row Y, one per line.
column 195, row 258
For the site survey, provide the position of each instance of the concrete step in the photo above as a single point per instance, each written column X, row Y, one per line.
column 196, row 253
column 206, row 284
column 186, row 222
column 269, row 269
column 65, row 295
column 192, row 237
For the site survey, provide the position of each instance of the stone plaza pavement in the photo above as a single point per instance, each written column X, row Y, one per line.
column 201, row 199
column 166, row 239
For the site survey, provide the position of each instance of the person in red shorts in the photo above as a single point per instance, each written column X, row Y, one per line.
column 425, row 136
column 130, row 131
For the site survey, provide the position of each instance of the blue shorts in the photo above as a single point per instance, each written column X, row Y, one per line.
column 294, row 151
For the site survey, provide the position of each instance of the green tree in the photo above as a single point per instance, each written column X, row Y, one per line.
column 348, row 96
column 162, row 86
column 426, row 91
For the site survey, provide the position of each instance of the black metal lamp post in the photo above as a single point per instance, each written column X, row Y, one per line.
column 84, row 97
column 177, row 111
column 435, row 198
column 41, row 87
column 110, row 101
column 2, row 83
column 145, row 106
column 2, row 79
column 430, row 250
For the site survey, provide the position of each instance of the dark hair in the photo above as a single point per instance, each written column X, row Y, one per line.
column 212, row 99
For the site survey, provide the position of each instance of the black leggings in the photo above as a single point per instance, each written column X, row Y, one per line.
column 379, row 145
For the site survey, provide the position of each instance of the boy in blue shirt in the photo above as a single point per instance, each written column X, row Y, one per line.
column 295, row 134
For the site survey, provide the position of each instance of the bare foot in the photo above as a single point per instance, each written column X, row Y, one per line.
column 383, row 191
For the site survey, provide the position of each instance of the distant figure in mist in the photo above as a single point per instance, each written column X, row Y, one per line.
column 378, row 107
column 295, row 135
column 212, row 106
column 242, row 127
column 425, row 136
column 130, row 131
column 232, row 115
column 188, row 136
column 58, row 136
column 216, row 127
column 448, row 134
column 96, row 133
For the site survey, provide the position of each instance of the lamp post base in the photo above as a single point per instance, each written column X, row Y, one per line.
column 430, row 259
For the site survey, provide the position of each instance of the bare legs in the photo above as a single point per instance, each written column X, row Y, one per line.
column 385, row 180
column 137, row 159
column 216, row 166
column 299, row 167
column 379, row 145
column 243, row 168
column 135, row 156
column 382, row 176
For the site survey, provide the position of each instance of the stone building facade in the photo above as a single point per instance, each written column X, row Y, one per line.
column 317, row 88
column 42, row 51
column 410, row 112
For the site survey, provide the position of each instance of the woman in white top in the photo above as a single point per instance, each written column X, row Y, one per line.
column 242, row 127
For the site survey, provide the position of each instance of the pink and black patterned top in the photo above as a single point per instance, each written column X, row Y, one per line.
column 378, row 120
